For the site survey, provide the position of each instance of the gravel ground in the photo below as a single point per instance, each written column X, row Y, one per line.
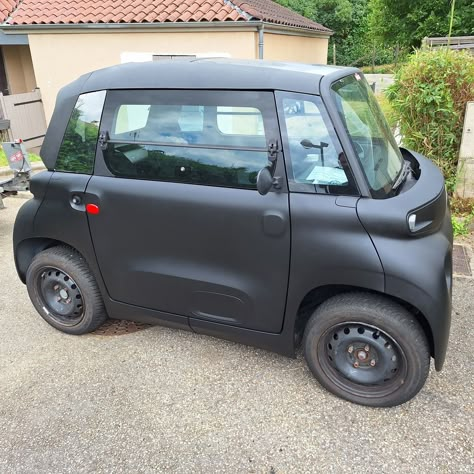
column 165, row 400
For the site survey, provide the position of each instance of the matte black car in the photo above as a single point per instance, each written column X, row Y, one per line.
column 260, row 202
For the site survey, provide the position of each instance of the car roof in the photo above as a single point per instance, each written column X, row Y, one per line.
column 213, row 73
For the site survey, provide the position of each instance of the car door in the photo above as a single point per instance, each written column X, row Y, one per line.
column 330, row 247
column 182, row 228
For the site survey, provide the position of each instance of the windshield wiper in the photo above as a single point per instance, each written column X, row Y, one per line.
column 406, row 170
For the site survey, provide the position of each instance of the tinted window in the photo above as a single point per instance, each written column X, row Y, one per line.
column 316, row 162
column 206, row 138
column 79, row 144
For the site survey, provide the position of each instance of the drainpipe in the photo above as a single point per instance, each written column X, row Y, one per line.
column 261, row 42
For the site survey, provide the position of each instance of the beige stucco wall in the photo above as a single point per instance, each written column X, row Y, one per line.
column 300, row 49
column 19, row 69
column 60, row 58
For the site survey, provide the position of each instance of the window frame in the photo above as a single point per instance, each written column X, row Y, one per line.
column 262, row 100
column 307, row 188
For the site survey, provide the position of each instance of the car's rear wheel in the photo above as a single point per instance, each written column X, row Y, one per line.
column 64, row 291
column 367, row 349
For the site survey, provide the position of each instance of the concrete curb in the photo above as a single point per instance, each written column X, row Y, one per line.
column 36, row 166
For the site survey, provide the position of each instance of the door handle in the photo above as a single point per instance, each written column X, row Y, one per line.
column 76, row 201
column 274, row 223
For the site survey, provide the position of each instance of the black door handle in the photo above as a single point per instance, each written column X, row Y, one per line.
column 274, row 223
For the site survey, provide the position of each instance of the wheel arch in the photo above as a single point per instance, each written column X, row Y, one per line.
column 27, row 249
column 319, row 295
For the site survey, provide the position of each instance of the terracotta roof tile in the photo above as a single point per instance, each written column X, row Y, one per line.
column 29, row 12
column 6, row 7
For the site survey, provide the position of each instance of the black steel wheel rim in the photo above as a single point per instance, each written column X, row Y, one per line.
column 362, row 359
column 60, row 296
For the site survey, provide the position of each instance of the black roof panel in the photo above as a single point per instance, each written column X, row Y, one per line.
column 212, row 74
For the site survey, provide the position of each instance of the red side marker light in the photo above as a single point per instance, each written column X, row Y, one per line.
column 92, row 209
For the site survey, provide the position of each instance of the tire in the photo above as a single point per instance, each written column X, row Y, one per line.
column 367, row 349
column 64, row 291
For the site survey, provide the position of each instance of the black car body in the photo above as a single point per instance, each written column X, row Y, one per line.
column 195, row 194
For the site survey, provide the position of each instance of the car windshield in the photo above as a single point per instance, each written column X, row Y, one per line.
column 371, row 137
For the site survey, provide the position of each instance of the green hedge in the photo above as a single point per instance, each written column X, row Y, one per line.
column 429, row 99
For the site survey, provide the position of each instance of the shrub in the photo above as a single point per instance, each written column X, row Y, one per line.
column 429, row 98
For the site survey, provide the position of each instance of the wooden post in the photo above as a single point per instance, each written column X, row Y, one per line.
column 373, row 59
column 397, row 52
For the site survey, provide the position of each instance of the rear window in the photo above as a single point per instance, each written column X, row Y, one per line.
column 77, row 152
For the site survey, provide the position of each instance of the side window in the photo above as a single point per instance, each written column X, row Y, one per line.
column 194, row 137
column 77, row 152
column 315, row 160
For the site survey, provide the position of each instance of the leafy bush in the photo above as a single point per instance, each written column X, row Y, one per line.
column 429, row 97
column 462, row 210
column 461, row 225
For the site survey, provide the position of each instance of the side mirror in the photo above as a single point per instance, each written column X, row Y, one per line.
column 264, row 181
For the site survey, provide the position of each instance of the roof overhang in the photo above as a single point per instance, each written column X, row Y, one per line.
column 183, row 27
column 13, row 39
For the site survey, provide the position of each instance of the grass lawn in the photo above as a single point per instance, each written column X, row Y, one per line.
column 3, row 159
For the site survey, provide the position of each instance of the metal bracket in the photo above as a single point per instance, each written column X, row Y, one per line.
column 273, row 149
column 103, row 140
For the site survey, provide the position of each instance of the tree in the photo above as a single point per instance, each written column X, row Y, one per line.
column 348, row 20
column 407, row 22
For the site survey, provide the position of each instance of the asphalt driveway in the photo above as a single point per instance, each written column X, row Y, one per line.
column 163, row 400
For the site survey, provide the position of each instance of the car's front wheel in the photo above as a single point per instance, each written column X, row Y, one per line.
column 367, row 349
column 64, row 291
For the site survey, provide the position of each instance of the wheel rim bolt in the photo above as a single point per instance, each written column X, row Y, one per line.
column 56, row 287
column 356, row 364
column 367, row 348
column 350, row 349
column 372, row 362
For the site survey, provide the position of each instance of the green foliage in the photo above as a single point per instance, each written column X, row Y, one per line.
column 461, row 225
column 383, row 31
column 349, row 21
column 380, row 69
column 462, row 210
column 407, row 22
column 388, row 111
column 429, row 97
column 77, row 152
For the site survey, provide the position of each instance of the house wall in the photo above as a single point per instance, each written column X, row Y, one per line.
column 19, row 69
column 59, row 58
column 302, row 49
